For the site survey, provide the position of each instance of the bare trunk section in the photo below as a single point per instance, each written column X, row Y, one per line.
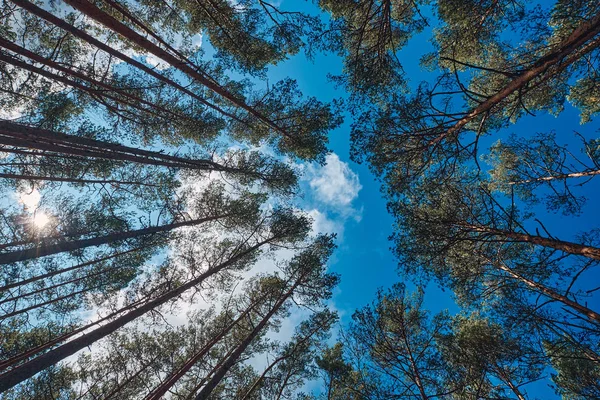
column 592, row 315
column 578, row 38
column 583, row 174
column 567, row 247
column 218, row 376
column 41, row 13
column 45, row 250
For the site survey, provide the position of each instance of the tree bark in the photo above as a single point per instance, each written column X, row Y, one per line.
column 567, row 247
column 582, row 34
column 592, row 315
column 63, row 270
column 45, row 250
column 583, row 174
column 43, row 139
column 115, row 25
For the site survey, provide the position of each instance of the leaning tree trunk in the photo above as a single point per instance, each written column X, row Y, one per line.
column 45, row 250
column 27, row 370
column 82, row 181
column 231, row 360
column 590, row 314
column 76, row 74
column 511, row 236
column 64, row 270
column 41, row 13
column 43, row 139
column 115, row 25
column 576, row 40
column 583, row 174
column 159, row 391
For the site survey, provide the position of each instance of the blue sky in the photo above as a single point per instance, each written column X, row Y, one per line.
column 363, row 257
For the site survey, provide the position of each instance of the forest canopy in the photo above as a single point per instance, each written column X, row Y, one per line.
column 160, row 166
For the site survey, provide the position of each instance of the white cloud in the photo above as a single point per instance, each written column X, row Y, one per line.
column 30, row 199
column 334, row 184
column 323, row 224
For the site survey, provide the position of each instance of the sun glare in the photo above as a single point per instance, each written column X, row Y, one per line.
column 40, row 219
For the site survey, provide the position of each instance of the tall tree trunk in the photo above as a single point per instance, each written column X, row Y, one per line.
column 128, row 380
column 413, row 365
column 113, row 182
column 506, row 379
column 191, row 394
column 41, row 13
column 27, row 370
column 48, row 302
column 194, row 73
column 576, row 40
column 592, row 315
column 45, row 250
column 44, row 139
column 94, row 93
column 276, row 361
column 231, row 360
column 40, row 348
column 64, row 270
column 582, row 174
column 74, row 73
column 511, row 236
column 159, row 391
column 46, row 288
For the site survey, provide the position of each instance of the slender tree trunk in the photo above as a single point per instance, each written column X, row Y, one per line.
column 218, row 376
column 45, row 250
column 27, row 370
column 113, row 182
column 413, row 366
column 41, row 13
column 582, row 34
column 38, row 349
column 583, row 174
column 64, row 270
column 128, row 380
column 191, row 395
column 115, row 25
column 73, row 73
column 74, row 280
column 592, row 315
column 47, row 303
column 506, row 379
column 277, row 361
column 43, row 139
column 567, row 247
column 158, row 392
column 94, row 93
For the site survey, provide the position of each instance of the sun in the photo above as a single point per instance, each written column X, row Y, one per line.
column 40, row 219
